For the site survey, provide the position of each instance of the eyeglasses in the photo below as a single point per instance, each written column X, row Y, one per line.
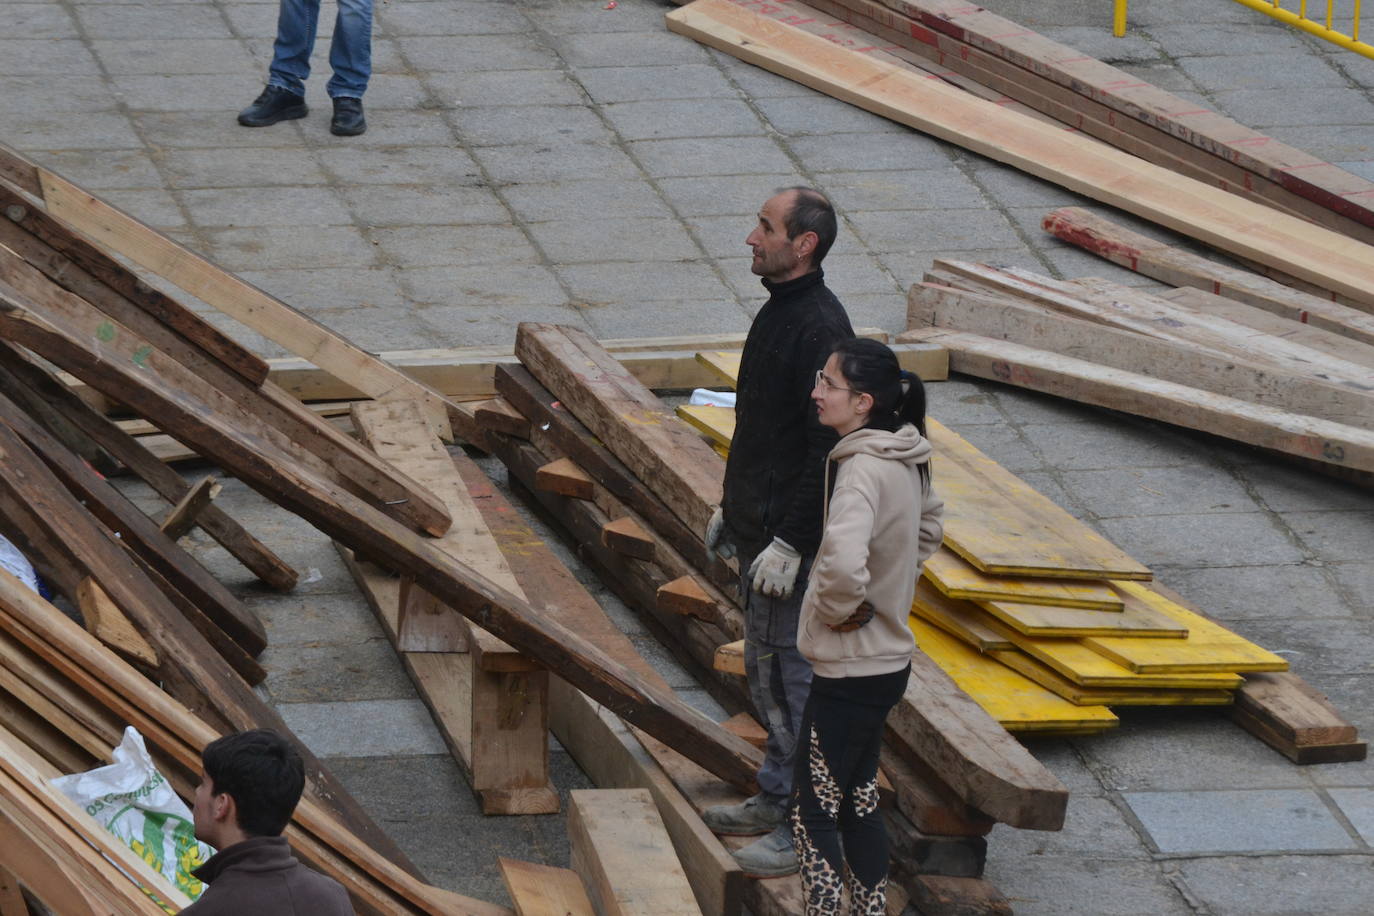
column 826, row 385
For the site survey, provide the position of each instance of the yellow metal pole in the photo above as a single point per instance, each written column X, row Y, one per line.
column 1307, row 25
column 1119, row 18
column 1355, row 22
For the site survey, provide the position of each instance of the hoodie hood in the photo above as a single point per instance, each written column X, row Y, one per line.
column 906, row 445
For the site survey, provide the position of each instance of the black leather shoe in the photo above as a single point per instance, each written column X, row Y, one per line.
column 348, row 118
column 275, row 104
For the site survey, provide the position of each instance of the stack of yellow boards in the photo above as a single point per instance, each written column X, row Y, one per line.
column 1040, row 619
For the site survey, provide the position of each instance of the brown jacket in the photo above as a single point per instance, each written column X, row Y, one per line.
column 881, row 523
column 260, row 877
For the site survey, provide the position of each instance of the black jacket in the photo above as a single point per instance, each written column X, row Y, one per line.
column 773, row 478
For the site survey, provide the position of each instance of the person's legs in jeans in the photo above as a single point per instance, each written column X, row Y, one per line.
column 297, row 21
column 350, row 52
column 778, row 676
column 839, row 833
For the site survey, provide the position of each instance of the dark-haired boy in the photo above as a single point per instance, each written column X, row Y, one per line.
column 252, row 781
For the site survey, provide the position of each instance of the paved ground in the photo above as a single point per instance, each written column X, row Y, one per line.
column 557, row 160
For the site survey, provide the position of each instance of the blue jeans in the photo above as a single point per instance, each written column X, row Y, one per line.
column 350, row 53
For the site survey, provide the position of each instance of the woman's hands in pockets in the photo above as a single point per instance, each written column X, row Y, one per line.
column 861, row 616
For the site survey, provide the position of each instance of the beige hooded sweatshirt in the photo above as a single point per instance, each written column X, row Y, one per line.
column 880, row 526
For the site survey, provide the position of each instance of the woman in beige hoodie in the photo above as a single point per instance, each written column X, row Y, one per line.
column 882, row 520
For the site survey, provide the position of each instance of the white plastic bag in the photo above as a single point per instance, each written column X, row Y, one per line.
column 16, row 564
column 132, row 800
column 713, row 398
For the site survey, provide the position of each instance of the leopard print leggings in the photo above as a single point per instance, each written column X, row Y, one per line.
column 839, row 834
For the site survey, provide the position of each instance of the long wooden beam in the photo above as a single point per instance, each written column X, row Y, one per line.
column 1006, row 318
column 1301, row 173
column 1193, row 408
column 1168, row 264
column 1088, row 167
column 19, row 377
column 348, row 519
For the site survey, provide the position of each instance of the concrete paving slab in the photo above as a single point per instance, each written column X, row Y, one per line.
column 1338, row 536
column 339, row 672
column 364, row 728
column 1185, row 749
column 1252, row 539
column 554, row 160
column 102, row 170
column 592, row 285
column 1113, row 443
column 1318, row 645
column 266, row 206
column 706, row 156
column 266, row 248
column 532, row 287
column 497, row 88
column 452, row 17
column 1237, row 821
column 461, row 53
column 606, row 85
column 1281, row 885
column 1062, row 886
column 24, row 56
column 1358, row 807
column 1159, row 491
column 1093, row 829
column 1271, row 592
column 528, row 124
column 422, row 205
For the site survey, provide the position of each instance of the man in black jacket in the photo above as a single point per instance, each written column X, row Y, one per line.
column 771, row 512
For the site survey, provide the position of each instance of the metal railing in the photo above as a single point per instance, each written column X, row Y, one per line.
column 1323, row 28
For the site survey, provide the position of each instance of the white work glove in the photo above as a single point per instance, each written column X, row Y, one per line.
column 775, row 569
column 718, row 536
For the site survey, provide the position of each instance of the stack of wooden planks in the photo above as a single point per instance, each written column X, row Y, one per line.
column 634, row 487
column 858, row 70
column 1036, row 616
column 69, row 304
column 1186, row 356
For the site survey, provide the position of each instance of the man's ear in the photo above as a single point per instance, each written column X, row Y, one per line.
column 223, row 809
column 805, row 244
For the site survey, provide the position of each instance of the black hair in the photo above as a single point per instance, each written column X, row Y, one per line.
column 812, row 212
column 870, row 367
column 262, row 772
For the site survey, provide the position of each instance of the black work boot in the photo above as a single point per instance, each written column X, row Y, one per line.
column 275, row 104
column 348, row 118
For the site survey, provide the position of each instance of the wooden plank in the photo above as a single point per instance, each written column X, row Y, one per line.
column 183, row 516
column 542, row 890
column 272, row 318
column 80, row 267
column 716, row 423
column 141, row 535
column 724, row 363
column 346, row 518
column 685, row 595
column 1177, row 267
column 564, row 477
column 1017, row 320
column 1299, row 172
column 577, row 442
column 729, row 658
column 957, row 617
column 177, row 732
column 1075, row 693
column 1323, row 341
column 985, row 502
column 1088, row 383
column 496, row 414
column 943, row 895
column 1135, row 619
column 1139, row 311
column 611, row 753
column 623, row 855
column 12, row 901
column 1302, row 754
column 1017, row 703
column 930, row 805
column 1211, row 215
column 956, row 578
column 108, row 624
column 984, row 765
column 17, row 374
column 627, row 536
column 19, row 171
column 626, row 416
column 273, row 418
column 1300, row 714
column 747, row 727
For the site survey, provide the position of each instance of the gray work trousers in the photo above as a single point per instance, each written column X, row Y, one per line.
column 779, row 677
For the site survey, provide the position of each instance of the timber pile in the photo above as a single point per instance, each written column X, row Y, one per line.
column 1186, row 357
column 68, row 303
column 634, row 487
column 859, row 71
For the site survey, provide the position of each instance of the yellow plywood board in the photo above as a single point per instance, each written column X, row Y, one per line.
column 724, row 363
column 1013, row 700
column 716, row 423
column 1137, row 619
column 1109, row 696
column 1081, row 665
column 956, row 617
column 956, row 577
column 1209, row 646
column 1002, row 526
